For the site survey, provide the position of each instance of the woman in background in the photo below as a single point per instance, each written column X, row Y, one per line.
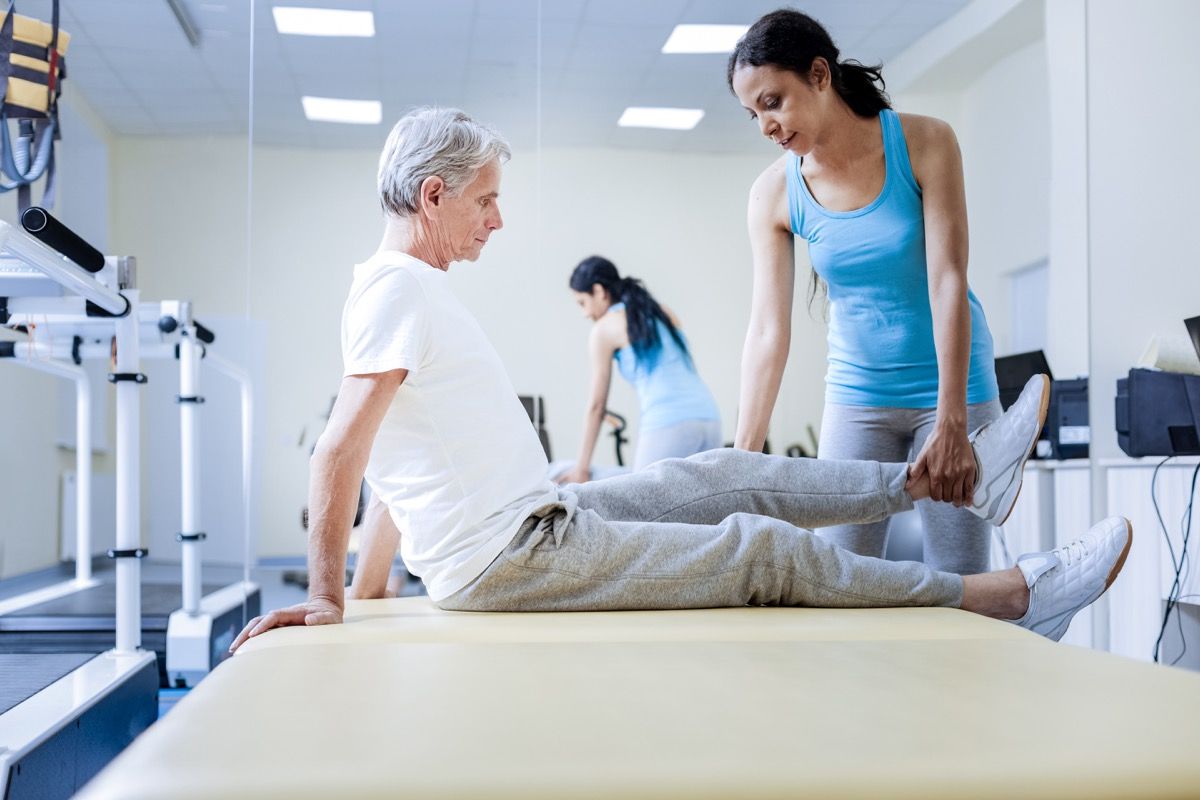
column 679, row 416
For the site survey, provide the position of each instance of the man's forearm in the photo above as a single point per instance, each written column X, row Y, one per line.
column 333, row 499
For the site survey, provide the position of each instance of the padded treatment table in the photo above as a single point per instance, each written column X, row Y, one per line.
column 404, row 699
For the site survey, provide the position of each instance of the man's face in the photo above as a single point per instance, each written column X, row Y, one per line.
column 470, row 218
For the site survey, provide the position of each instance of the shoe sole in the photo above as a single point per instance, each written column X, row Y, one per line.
column 1116, row 570
column 1043, row 408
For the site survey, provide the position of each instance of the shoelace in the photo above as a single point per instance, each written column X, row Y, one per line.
column 1075, row 551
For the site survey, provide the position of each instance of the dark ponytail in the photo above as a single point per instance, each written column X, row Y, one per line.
column 789, row 39
column 642, row 311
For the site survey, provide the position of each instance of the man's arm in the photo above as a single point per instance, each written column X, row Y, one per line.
column 337, row 467
column 376, row 552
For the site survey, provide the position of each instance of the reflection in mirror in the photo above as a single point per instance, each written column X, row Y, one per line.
column 150, row 112
column 664, row 205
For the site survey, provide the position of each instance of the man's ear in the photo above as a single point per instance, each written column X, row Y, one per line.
column 433, row 191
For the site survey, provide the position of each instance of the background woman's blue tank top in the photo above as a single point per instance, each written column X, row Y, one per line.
column 881, row 345
column 670, row 391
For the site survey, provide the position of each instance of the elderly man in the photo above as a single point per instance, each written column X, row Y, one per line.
column 427, row 411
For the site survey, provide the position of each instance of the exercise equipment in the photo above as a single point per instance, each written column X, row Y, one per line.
column 188, row 625
column 69, row 713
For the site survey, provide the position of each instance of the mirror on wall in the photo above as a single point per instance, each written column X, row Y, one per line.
column 666, row 205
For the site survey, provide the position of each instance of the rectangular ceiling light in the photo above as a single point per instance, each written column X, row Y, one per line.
column 704, row 38
column 333, row 109
column 676, row 119
column 323, row 21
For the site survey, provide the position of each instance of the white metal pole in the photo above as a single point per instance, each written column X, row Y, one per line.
column 189, row 431
column 129, row 600
column 83, row 477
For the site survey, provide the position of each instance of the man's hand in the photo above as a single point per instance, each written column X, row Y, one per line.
column 317, row 611
column 574, row 475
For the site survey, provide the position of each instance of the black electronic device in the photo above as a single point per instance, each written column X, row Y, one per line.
column 1067, row 429
column 1066, row 433
column 1013, row 372
column 1158, row 413
column 1193, row 329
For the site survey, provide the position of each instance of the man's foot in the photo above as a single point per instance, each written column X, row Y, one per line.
column 1070, row 578
column 1001, row 449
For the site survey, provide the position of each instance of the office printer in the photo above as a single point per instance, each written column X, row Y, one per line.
column 1067, row 432
column 1158, row 413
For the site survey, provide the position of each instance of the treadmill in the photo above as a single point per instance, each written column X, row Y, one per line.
column 188, row 626
column 63, row 716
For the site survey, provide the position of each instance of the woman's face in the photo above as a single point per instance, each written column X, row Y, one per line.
column 593, row 304
column 788, row 107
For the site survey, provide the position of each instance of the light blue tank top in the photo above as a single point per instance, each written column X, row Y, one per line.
column 881, row 346
column 670, row 392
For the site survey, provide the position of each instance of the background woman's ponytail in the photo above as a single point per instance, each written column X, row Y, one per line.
column 642, row 311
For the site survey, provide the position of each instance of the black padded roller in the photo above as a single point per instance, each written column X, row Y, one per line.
column 49, row 231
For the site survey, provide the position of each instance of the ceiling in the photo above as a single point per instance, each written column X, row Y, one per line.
column 132, row 63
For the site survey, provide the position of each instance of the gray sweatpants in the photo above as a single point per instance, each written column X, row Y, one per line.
column 722, row 528
column 955, row 539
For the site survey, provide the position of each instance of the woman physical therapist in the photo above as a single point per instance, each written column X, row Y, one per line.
column 879, row 198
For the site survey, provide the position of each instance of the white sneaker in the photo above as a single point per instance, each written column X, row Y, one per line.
column 1069, row 578
column 1002, row 448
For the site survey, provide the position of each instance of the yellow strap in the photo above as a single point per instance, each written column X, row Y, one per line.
column 34, row 31
column 27, row 94
column 19, row 60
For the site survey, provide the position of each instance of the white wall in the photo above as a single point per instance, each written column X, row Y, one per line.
column 1006, row 164
column 1143, row 168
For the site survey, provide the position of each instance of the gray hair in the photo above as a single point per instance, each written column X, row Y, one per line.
column 429, row 141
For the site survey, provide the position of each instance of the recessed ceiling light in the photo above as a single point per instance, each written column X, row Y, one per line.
column 323, row 21
column 704, row 38
column 676, row 119
column 334, row 109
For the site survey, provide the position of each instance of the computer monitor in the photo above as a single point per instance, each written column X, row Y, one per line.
column 1193, row 327
column 1013, row 372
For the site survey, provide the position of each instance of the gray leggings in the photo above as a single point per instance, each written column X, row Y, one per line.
column 680, row 440
column 722, row 528
column 955, row 539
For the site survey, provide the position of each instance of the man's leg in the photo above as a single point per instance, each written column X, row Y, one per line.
column 584, row 562
column 708, row 487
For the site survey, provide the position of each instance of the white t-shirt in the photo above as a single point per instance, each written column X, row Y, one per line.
column 456, row 459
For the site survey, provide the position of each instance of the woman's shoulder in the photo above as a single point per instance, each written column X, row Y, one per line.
column 925, row 131
column 773, row 179
column 609, row 330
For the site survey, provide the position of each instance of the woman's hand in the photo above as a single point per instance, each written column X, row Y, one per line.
column 949, row 460
column 575, row 474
